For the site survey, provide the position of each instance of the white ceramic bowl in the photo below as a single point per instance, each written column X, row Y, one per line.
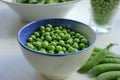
column 57, row 66
column 30, row 12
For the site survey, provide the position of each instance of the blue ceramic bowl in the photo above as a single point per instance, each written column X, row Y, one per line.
column 47, row 63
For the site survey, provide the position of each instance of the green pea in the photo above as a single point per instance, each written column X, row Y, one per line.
column 48, row 38
column 61, row 35
column 48, row 29
column 30, row 39
column 42, row 50
column 51, row 52
column 36, row 34
column 51, row 47
column 53, row 43
column 76, row 40
column 75, row 45
column 72, row 33
column 81, row 45
column 29, row 45
column 45, row 44
column 67, row 36
column 49, row 25
column 60, row 52
column 71, row 49
column 42, row 28
column 64, row 49
column 62, row 43
column 47, row 34
column 33, row 36
column 69, row 41
column 78, row 35
column 58, row 48
column 84, row 41
column 38, row 44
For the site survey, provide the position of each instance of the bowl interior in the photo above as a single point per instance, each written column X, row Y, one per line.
column 28, row 29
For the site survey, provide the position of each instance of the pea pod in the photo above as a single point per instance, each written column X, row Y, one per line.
column 111, row 75
column 111, row 60
column 96, row 60
column 118, row 78
column 101, row 68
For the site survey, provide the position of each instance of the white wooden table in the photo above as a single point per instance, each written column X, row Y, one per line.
column 13, row 65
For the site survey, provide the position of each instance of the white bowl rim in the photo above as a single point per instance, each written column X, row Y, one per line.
column 54, row 4
column 57, row 55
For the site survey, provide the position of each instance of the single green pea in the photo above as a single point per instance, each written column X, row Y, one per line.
column 76, row 40
column 64, row 31
column 48, row 38
column 42, row 38
column 42, row 50
column 42, row 32
column 45, row 44
column 62, row 43
column 78, row 35
column 51, row 47
column 53, row 43
column 47, row 34
column 54, row 37
column 75, row 45
column 84, row 41
column 33, row 36
column 61, row 35
column 51, row 52
column 30, row 39
column 29, row 45
column 48, row 29
column 38, row 44
column 49, row 25
column 58, row 48
column 60, row 27
column 60, row 52
column 71, row 49
column 42, row 28
column 36, row 34
column 69, row 41
column 67, row 36
column 64, row 49
column 81, row 45
column 72, row 33
column 67, row 45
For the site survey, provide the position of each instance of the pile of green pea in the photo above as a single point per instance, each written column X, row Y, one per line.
column 103, row 10
column 41, row 1
column 56, row 40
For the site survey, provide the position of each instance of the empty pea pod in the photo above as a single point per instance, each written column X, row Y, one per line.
column 111, row 75
column 101, row 68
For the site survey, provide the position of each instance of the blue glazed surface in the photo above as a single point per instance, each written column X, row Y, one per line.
column 28, row 29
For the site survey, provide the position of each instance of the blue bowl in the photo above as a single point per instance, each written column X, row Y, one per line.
column 30, row 28
column 57, row 66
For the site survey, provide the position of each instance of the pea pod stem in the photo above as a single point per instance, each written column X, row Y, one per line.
column 96, row 60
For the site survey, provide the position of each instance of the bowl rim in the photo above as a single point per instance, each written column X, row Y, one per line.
column 57, row 55
column 54, row 4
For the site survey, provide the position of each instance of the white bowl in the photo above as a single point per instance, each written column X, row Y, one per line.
column 30, row 12
column 57, row 66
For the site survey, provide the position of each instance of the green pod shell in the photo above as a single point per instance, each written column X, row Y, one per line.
column 111, row 75
column 105, row 68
